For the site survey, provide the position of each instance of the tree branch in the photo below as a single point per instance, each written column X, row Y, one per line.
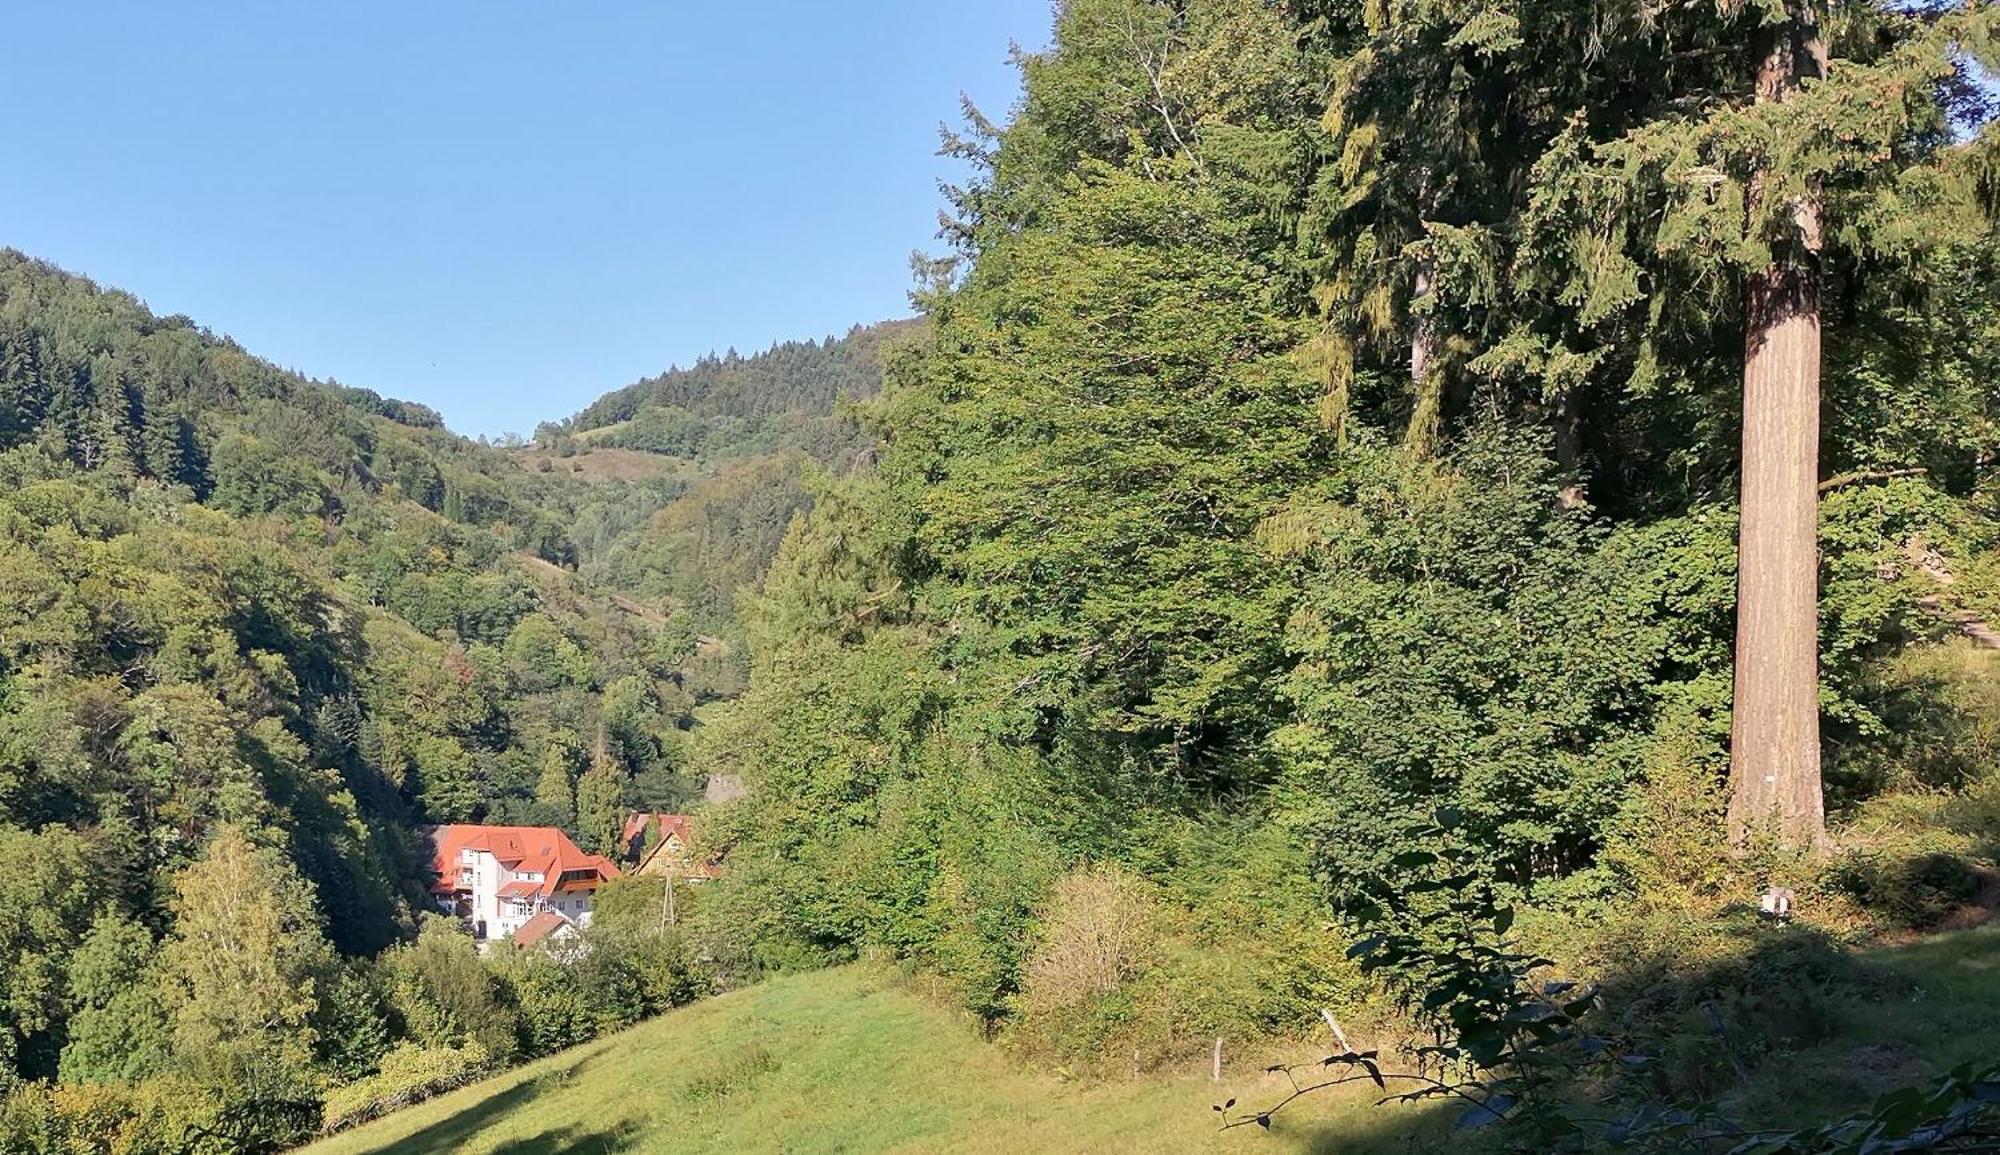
column 1833, row 483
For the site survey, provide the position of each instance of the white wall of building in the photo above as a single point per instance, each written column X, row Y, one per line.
column 504, row 916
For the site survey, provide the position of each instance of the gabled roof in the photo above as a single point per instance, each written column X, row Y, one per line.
column 633, row 839
column 543, row 850
column 539, row 927
column 678, row 861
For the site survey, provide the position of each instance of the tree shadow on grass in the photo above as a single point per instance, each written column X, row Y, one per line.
column 571, row 1141
column 1405, row 1131
column 453, row 1131
column 1745, row 1023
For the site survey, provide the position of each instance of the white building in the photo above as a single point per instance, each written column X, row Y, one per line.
column 499, row 877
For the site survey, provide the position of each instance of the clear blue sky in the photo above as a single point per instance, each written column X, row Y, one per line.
column 501, row 208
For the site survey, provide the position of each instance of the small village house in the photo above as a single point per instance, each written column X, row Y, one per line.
column 662, row 846
column 549, row 931
column 498, row 878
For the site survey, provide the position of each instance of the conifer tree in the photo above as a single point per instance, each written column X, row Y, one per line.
column 1437, row 115
column 1775, row 754
column 600, row 802
column 1709, row 220
column 555, row 789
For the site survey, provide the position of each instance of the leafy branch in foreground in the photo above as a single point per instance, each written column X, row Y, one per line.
column 1504, row 1045
column 1514, row 1049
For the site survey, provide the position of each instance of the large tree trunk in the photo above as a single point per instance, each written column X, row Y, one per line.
column 1775, row 754
column 1426, row 382
column 1569, row 449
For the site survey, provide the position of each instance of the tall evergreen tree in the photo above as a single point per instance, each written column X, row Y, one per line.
column 1685, row 258
column 600, row 802
column 1775, row 754
column 555, row 789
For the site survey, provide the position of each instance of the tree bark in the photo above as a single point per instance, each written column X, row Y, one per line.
column 1426, row 412
column 1775, row 751
column 1569, row 449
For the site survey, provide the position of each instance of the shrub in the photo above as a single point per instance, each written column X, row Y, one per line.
column 1097, row 933
column 444, row 994
column 36, row 1118
column 409, row 1073
column 1913, row 891
column 553, row 1012
column 1709, row 997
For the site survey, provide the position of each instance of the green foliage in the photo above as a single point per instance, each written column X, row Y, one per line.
column 351, row 1025
column 1462, row 640
column 409, row 1073
column 1153, row 597
column 240, row 976
column 1163, row 537
column 46, row 905
column 617, row 974
column 37, row 1119
column 600, row 805
column 443, row 996
column 118, row 1027
column 252, row 478
column 694, row 409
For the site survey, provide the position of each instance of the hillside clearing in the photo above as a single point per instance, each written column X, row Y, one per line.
column 606, row 463
column 839, row 1061
column 847, row 1060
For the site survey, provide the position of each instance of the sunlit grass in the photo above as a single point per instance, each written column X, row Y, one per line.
column 846, row 1061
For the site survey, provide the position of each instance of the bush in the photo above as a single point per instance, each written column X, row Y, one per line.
column 37, row 1119
column 1097, row 933
column 1920, row 859
column 553, row 1012
column 409, row 1073
column 1709, row 996
column 1919, row 891
column 1231, row 942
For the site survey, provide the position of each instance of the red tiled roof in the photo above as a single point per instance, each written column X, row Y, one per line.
column 538, row 928
column 520, row 889
column 543, row 850
column 633, row 839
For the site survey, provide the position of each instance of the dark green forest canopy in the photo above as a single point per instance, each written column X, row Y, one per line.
column 1165, row 545
column 806, row 376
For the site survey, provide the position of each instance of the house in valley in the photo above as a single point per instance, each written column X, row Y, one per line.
column 548, row 931
column 661, row 845
column 498, row 878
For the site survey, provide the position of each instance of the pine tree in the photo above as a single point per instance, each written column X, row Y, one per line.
column 555, row 789
column 600, row 802
column 21, row 395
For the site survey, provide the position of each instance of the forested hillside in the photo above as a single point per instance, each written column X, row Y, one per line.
column 1320, row 487
column 725, row 454
column 726, row 404
column 254, row 631
column 1508, row 488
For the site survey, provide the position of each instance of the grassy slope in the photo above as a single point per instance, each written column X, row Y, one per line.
column 840, row 1061
column 848, row 1061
